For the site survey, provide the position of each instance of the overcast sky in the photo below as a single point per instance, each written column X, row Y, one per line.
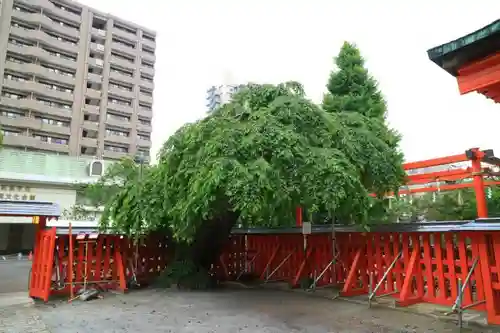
column 278, row 40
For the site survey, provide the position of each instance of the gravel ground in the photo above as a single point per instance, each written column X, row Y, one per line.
column 14, row 275
column 226, row 311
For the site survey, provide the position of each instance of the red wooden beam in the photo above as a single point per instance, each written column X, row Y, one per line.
column 435, row 162
column 480, row 65
column 442, row 179
column 479, row 75
column 440, row 175
column 447, row 187
column 491, row 92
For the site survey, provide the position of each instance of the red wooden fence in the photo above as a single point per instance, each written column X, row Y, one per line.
column 426, row 266
column 41, row 271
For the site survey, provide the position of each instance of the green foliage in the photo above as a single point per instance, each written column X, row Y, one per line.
column 115, row 178
column 78, row 213
column 267, row 151
column 354, row 100
column 444, row 206
column 351, row 89
column 185, row 274
column 120, row 191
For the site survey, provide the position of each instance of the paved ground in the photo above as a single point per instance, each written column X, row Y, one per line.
column 228, row 311
column 14, row 275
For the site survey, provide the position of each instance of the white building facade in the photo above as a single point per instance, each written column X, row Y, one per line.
column 35, row 176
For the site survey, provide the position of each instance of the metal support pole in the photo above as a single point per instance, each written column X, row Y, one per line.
column 459, row 305
column 335, row 255
column 370, row 290
column 247, row 266
column 85, row 274
column 278, row 267
column 372, row 294
column 315, row 282
column 461, row 290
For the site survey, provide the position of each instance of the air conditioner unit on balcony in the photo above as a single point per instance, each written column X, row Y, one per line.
column 96, row 168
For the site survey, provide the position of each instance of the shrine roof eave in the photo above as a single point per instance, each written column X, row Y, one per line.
column 477, row 45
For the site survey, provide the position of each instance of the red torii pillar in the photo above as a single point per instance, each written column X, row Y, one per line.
column 475, row 155
column 298, row 216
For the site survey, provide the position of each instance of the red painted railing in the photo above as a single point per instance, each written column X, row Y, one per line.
column 426, row 266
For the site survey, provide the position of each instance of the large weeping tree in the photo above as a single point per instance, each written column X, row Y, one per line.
column 253, row 161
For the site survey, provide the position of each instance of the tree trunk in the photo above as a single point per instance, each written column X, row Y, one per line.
column 211, row 238
column 192, row 262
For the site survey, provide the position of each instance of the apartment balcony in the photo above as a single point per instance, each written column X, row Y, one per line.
column 149, row 43
column 40, row 53
column 20, row 122
column 121, row 77
column 92, row 93
column 38, row 89
column 94, row 78
column 33, row 124
column 114, row 155
column 144, row 128
column 95, row 62
column 31, row 142
column 61, row 148
column 39, row 18
column 97, row 47
column 145, row 98
column 148, row 71
column 144, row 143
column 20, row 140
column 44, row 38
column 121, row 92
column 49, row 6
column 147, row 84
column 88, row 142
column 122, row 62
column 92, row 109
column 36, row 106
column 121, row 108
column 148, row 56
column 124, row 140
column 125, row 34
column 39, row 71
column 118, row 123
column 143, row 113
column 90, row 125
column 98, row 32
column 123, row 48
column 62, row 130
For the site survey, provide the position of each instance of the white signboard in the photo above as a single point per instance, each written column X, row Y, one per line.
column 306, row 228
column 16, row 219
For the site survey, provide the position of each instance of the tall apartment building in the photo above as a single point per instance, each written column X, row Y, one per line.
column 74, row 81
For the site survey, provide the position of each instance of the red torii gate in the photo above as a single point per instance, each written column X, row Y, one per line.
column 430, row 181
